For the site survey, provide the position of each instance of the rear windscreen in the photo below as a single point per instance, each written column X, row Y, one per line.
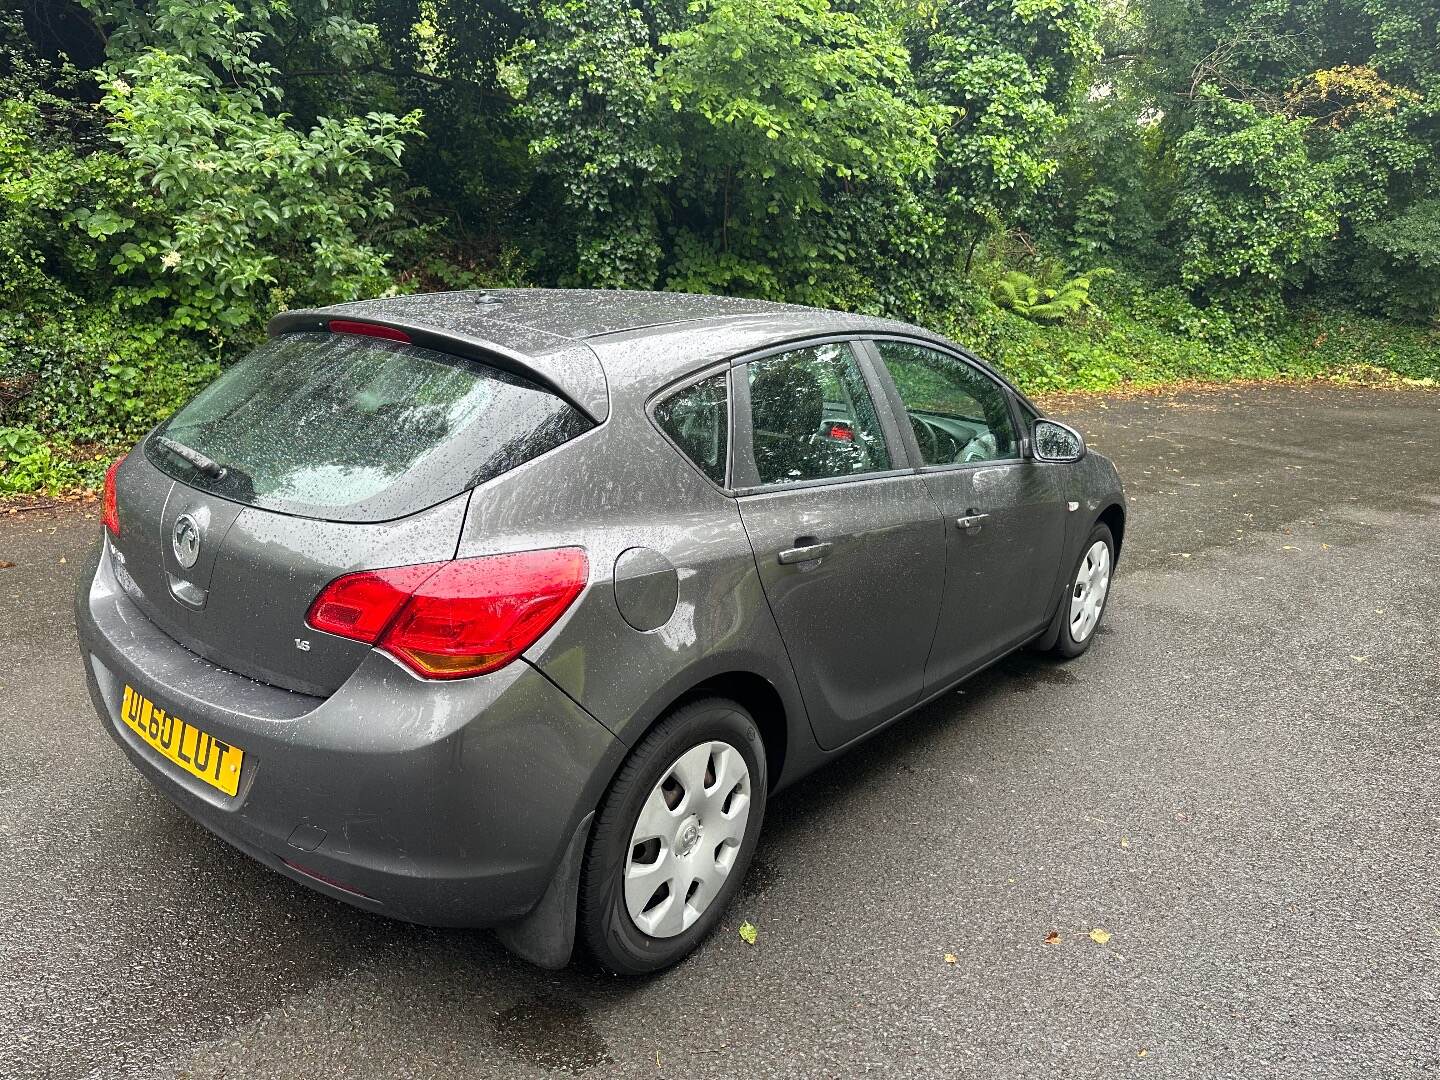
column 354, row 428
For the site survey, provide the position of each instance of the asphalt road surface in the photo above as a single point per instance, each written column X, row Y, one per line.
column 1240, row 783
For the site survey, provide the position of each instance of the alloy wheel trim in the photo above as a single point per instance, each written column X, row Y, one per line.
column 686, row 839
column 1088, row 591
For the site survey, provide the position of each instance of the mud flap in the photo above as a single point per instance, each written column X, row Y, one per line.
column 546, row 937
column 1051, row 634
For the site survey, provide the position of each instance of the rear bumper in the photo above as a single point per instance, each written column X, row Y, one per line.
column 448, row 804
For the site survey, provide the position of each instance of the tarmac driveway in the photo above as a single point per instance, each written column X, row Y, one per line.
column 1239, row 784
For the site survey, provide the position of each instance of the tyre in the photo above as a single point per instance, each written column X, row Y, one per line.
column 673, row 838
column 1084, row 605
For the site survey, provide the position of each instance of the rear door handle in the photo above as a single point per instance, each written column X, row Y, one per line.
column 804, row 553
column 972, row 521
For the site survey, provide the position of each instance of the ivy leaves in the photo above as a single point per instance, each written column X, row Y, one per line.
column 1252, row 206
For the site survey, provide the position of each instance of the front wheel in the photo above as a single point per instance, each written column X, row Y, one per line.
column 1084, row 605
column 673, row 838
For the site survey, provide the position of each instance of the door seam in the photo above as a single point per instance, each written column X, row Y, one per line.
column 775, row 622
column 944, row 584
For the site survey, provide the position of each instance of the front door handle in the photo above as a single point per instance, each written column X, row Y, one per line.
column 972, row 521
column 804, row 553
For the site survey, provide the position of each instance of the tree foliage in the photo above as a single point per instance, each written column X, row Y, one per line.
column 174, row 171
column 1297, row 136
column 588, row 98
column 1007, row 69
column 1252, row 207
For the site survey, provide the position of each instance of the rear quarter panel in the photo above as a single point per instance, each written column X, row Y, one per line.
column 619, row 487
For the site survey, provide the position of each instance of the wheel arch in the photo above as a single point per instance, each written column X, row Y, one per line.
column 759, row 698
column 546, row 936
column 1113, row 518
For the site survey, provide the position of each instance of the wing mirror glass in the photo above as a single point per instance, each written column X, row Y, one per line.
column 1055, row 441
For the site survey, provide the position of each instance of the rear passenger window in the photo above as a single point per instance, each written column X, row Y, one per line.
column 698, row 420
column 812, row 418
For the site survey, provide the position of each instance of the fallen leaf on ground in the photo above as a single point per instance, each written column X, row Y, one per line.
column 1359, row 659
column 1142, row 1052
column 748, row 932
column 1099, row 936
column 951, row 958
column 5, row 565
column 1052, row 938
column 1124, row 842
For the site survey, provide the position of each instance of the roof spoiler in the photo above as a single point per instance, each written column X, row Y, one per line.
column 573, row 372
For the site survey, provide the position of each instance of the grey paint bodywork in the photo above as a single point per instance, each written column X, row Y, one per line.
column 468, row 802
column 376, row 766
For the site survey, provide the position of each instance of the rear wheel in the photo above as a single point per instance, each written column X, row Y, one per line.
column 673, row 838
column 1083, row 607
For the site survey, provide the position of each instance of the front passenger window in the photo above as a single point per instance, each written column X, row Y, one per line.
column 812, row 417
column 959, row 414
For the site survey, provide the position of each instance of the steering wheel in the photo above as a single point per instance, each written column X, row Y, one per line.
column 925, row 436
column 980, row 448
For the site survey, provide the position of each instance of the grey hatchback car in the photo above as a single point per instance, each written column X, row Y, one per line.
column 512, row 608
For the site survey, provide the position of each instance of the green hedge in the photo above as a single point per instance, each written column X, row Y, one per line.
column 78, row 387
column 1137, row 336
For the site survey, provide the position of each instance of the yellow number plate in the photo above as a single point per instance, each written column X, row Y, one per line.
column 182, row 743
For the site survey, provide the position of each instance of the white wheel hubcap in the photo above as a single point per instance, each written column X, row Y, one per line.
column 1087, row 598
column 686, row 839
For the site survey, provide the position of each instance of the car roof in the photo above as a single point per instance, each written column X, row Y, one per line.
column 577, row 314
column 582, row 341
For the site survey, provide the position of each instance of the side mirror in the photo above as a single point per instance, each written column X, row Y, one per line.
column 1054, row 441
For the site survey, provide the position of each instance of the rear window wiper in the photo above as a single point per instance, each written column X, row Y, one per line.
column 209, row 466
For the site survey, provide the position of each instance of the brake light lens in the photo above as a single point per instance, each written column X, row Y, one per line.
column 109, row 507
column 455, row 619
column 361, row 606
column 368, row 329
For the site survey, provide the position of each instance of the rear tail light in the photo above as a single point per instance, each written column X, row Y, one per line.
column 109, row 508
column 362, row 605
column 451, row 620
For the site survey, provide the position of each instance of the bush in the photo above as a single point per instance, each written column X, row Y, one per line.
column 1398, row 268
column 145, row 241
column 1141, row 336
column 1253, row 207
column 90, row 375
column 29, row 462
column 232, row 212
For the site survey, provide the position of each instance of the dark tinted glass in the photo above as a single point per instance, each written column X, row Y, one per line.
column 698, row 420
column 359, row 429
column 812, row 417
column 958, row 413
